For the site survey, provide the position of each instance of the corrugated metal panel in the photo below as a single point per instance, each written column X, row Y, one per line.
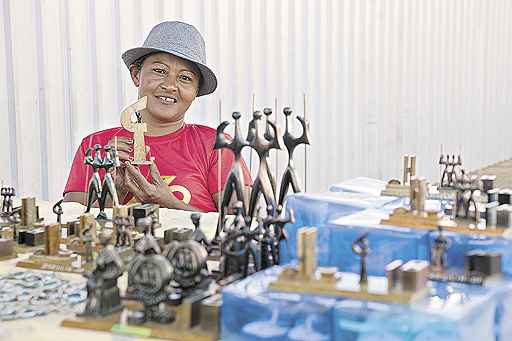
column 382, row 78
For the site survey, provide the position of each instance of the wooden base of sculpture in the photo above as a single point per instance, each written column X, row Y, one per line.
column 395, row 190
column 185, row 327
column 65, row 264
column 331, row 284
column 432, row 220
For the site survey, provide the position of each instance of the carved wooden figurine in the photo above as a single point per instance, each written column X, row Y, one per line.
column 360, row 247
column 138, row 128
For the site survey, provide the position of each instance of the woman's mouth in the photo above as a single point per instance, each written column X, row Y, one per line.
column 167, row 100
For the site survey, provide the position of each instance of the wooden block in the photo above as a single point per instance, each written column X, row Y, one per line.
column 28, row 211
column 7, row 249
column 52, row 239
column 35, row 237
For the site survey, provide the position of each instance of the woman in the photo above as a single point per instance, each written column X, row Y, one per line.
column 170, row 69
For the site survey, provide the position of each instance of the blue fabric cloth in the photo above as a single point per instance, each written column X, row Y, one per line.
column 449, row 312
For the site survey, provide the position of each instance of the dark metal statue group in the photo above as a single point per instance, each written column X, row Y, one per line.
column 169, row 274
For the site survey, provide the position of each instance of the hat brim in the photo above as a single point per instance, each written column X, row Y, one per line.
column 208, row 78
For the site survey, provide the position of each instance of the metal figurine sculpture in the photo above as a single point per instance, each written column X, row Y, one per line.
column 155, row 224
column 57, row 209
column 149, row 276
column 198, row 234
column 438, row 257
column 103, row 296
column 236, row 246
column 277, row 221
column 290, row 175
column 262, row 146
column 463, row 202
column 269, row 135
column 7, row 194
column 235, row 181
column 360, row 247
column 110, row 162
column 188, row 259
column 94, row 192
column 449, row 174
column 124, row 228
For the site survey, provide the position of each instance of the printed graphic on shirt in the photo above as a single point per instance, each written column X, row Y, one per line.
column 185, row 193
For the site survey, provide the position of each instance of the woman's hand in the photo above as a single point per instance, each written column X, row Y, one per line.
column 154, row 192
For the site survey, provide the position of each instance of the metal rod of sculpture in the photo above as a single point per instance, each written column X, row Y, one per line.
column 94, row 191
column 138, row 128
column 269, row 135
column 290, row 174
column 235, row 181
column 262, row 146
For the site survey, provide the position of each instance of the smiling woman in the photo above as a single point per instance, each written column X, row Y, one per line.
column 170, row 70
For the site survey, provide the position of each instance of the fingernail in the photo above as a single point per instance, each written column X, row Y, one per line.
column 130, row 149
column 131, row 158
column 130, row 141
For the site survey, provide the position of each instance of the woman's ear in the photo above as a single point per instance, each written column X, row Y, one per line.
column 135, row 74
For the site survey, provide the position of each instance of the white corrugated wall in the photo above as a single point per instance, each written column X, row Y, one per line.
column 382, row 78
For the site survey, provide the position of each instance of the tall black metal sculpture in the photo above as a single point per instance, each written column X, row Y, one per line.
column 235, row 180
column 290, row 175
column 262, row 144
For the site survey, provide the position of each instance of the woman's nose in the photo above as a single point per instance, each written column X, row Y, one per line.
column 169, row 83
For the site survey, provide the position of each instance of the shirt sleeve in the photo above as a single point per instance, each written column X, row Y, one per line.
column 218, row 173
column 79, row 176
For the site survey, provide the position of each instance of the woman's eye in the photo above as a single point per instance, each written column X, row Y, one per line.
column 159, row 71
column 186, row 78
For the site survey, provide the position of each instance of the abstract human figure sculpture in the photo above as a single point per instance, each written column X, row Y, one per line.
column 123, row 227
column 438, row 257
column 237, row 249
column 7, row 194
column 103, row 296
column 262, row 146
column 290, row 174
column 361, row 248
column 198, row 234
column 448, row 178
column 94, row 191
column 235, row 180
column 276, row 220
column 138, row 128
column 110, row 162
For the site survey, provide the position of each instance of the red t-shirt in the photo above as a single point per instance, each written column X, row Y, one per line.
column 186, row 160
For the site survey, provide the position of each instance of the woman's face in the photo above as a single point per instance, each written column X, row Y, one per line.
column 171, row 84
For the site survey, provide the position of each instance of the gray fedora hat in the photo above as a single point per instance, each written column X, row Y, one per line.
column 182, row 40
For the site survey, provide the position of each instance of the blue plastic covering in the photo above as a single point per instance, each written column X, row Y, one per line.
column 449, row 312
